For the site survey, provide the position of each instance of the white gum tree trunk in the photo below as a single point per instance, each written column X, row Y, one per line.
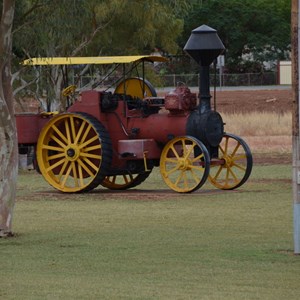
column 8, row 133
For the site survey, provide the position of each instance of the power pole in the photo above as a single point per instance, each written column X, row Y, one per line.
column 295, row 132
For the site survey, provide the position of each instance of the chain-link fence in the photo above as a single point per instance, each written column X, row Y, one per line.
column 172, row 80
column 247, row 79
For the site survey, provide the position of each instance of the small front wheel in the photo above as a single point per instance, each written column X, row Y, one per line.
column 184, row 164
column 236, row 163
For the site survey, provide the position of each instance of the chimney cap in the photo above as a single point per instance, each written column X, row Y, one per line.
column 204, row 45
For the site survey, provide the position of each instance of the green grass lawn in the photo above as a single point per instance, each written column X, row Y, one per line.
column 209, row 244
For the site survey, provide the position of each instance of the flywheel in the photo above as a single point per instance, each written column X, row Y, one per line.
column 136, row 87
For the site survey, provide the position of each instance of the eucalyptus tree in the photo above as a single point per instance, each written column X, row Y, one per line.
column 255, row 29
column 8, row 137
column 93, row 28
column 56, row 28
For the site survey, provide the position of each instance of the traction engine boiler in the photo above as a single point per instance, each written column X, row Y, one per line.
column 115, row 139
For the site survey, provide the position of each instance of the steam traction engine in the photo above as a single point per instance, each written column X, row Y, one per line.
column 115, row 139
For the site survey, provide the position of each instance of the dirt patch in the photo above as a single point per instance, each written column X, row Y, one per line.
column 272, row 158
column 279, row 101
column 275, row 101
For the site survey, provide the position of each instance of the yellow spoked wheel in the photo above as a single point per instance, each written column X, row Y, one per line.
column 236, row 163
column 74, row 152
column 184, row 164
column 124, row 181
column 136, row 87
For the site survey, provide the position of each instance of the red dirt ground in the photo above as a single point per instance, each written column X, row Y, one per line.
column 279, row 101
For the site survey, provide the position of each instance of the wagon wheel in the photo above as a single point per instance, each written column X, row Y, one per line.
column 74, row 152
column 125, row 181
column 237, row 163
column 184, row 164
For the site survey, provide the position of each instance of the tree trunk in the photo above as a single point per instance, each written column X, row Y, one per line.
column 8, row 133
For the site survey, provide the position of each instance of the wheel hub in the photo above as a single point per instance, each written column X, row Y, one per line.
column 228, row 161
column 72, row 153
column 184, row 164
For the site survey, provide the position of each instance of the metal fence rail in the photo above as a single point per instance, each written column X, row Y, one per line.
column 247, row 79
column 172, row 80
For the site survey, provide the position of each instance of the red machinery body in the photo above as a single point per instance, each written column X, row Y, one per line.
column 116, row 139
column 29, row 126
column 139, row 133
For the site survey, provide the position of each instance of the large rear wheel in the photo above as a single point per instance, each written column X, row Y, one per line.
column 184, row 164
column 74, row 152
column 236, row 163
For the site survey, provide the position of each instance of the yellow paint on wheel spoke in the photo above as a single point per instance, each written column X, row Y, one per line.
column 90, row 163
column 171, row 160
column 58, row 141
column 221, row 149
column 174, row 151
column 85, row 168
column 169, row 172
column 66, row 176
column 235, row 149
column 183, row 147
column 198, row 158
column 92, row 148
column 87, row 131
column 80, row 174
column 185, row 180
column 60, row 134
column 75, row 175
column 53, row 148
column 68, row 134
column 62, row 171
column 79, row 133
column 199, row 168
column 73, row 130
column 50, row 168
column 55, row 156
column 179, row 178
column 90, row 155
column 226, row 146
column 230, row 171
column 91, row 140
column 218, row 173
column 189, row 151
column 196, row 178
column 239, row 166
column 239, row 157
